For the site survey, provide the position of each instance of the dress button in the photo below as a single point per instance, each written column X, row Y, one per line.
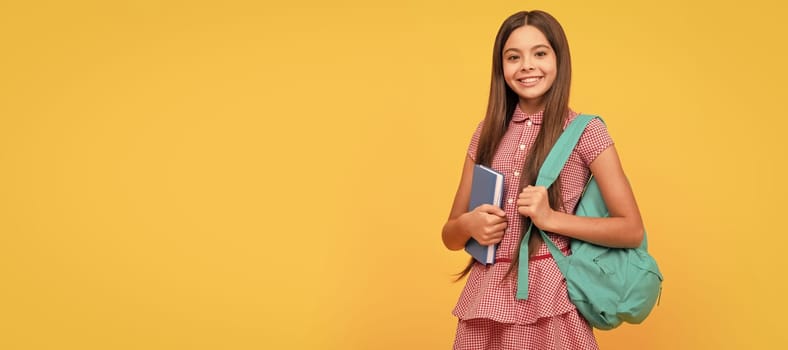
column 509, row 201
column 516, row 173
column 529, row 123
column 522, row 147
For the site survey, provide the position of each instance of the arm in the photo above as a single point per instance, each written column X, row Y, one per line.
column 624, row 227
column 486, row 223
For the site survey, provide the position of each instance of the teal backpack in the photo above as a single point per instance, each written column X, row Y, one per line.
column 607, row 285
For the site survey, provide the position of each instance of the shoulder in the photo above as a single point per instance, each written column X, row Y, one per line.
column 595, row 125
column 594, row 140
column 595, row 122
column 474, row 144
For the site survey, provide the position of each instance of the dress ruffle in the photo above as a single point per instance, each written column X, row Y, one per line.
column 490, row 292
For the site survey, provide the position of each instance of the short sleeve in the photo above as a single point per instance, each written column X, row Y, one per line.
column 594, row 141
column 475, row 141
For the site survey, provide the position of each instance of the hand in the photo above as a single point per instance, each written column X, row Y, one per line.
column 533, row 203
column 486, row 223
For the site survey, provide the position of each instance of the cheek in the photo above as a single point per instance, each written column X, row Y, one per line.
column 508, row 75
column 509, row 71
column 551, row 72
column 551, row 76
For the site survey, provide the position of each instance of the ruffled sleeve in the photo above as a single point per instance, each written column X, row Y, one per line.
column 593, row 142
column 474, row 145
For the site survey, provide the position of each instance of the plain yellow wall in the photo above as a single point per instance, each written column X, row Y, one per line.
column 251, row 175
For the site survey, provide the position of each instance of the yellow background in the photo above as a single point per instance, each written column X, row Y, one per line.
column 246, row 175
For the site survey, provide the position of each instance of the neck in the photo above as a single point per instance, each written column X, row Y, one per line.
column 531, row 106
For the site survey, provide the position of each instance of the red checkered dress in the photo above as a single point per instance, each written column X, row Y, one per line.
column 490, row 317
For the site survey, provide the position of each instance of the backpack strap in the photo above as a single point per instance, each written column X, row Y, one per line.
column 548, row 174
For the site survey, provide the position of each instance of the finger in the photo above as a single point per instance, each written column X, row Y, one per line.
column 525, row 202
column 491, row 209
column 530, row 192
column 488, row 241
column 535, row 196
column 498, row 236
column 527, row 193
column 491, row 239
column 495, row 219
column 496, row 240
column 534, row 189
column 496, row 211
column 495, row 229
column 525, row 210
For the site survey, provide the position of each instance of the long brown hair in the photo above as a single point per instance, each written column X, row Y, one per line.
column 503, row 101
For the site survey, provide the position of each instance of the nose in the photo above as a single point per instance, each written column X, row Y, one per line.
column 527, row 64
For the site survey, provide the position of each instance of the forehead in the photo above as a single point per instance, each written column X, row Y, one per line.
column 525, row 38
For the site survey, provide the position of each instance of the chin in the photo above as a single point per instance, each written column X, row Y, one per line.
column 532, row 97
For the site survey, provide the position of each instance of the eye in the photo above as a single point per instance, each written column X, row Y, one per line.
column 512, row 58
column 541, row 53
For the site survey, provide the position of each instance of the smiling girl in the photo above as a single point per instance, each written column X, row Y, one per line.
column 528, row 108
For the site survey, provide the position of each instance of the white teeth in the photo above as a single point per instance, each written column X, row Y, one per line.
column 529, row 80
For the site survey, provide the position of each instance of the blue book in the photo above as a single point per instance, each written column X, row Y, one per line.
column 486, row 188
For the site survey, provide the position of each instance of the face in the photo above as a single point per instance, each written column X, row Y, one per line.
column 529, row 66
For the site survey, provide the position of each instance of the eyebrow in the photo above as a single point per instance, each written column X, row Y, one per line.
column 533, row 48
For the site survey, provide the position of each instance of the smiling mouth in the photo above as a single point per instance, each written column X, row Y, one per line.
column 529, row 81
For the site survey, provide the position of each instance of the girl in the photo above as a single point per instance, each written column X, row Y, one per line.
column 527, row 110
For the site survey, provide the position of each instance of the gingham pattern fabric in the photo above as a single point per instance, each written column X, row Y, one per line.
column 566, row 331
column 487, row 293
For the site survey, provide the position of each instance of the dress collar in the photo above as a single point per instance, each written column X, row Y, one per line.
column 519, row 116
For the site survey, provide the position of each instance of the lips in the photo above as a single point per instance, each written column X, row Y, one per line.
column 529, row 81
